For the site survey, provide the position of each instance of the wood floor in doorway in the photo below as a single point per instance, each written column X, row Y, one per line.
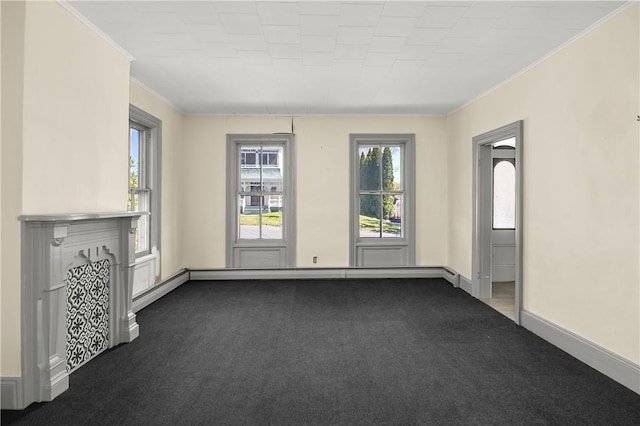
column 504, row 299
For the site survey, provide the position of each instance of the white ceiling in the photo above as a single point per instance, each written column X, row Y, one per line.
column 356, row 57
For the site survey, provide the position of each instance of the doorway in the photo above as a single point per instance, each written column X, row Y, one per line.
column 497, row 219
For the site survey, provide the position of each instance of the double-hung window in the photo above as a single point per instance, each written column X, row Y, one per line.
column 382, row 200
column 381, row 191
column 139, row 184
column 260, row 193
column 145, row 162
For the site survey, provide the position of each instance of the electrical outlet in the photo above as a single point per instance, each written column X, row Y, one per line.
column 315, row 259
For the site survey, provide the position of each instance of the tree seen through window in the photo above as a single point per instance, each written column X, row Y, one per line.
column 380, row 191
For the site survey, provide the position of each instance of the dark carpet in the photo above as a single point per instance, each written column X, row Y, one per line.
column 327, row 352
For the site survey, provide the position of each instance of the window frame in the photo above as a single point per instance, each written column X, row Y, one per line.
column 407, row 240
column 288, row 194
column 150, row 172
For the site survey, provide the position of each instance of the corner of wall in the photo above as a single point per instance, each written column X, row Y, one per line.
column 578, row 91
column 447, row 237
column 173, row 131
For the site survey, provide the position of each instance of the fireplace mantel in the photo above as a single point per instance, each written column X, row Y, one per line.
column 74, row 217
column 52, row 246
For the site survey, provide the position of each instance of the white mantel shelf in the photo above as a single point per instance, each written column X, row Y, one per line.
column 71, row 217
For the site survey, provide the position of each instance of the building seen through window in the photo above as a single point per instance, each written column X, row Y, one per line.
column 261, row 192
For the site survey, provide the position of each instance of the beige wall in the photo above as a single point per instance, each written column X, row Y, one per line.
column 322, row 161
column 66, row 147
column 204, row 193
column 581, row 183
column 11, row 172
column 172, row 176
column 0, row 152
column 76, row 94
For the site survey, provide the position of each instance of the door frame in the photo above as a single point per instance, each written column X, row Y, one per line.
column 482, row 223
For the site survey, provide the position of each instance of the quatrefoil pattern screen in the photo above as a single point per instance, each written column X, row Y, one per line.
column 87, row 312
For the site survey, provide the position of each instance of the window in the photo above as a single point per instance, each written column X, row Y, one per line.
column 145, row 137
column 139, row 189
column 505, row 144
column 381, row 191
column 248, row 158
column 504, row 193
column 260, row 212
column 260, row 216
column 382, row 201
column 270, row 157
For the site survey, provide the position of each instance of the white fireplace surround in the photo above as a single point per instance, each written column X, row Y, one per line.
column 53, row 244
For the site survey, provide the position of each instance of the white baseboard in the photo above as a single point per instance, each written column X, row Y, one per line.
column 265, row 274
column 317, row 273
column 409, row 272
column 11, row 393
column 451, row 276
column 159, row 290
column 465, row 283
column 619, row 369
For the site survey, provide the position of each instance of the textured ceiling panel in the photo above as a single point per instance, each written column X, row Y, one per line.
column 331, row 57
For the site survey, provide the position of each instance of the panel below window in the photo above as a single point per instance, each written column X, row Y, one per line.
column 258, row 258
column 383, row 256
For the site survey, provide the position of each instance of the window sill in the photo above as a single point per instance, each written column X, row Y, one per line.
column 376, row 241
column 146, row 258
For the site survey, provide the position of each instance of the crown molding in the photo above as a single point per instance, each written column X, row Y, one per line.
column 567, row 43
column 65, row 4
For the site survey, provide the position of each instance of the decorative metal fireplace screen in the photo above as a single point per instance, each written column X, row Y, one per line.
column 87, row 312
